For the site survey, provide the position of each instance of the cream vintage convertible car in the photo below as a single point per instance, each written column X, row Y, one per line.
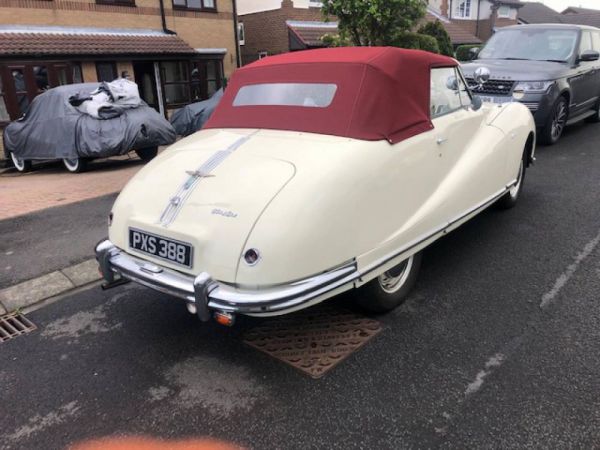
column 320, row 171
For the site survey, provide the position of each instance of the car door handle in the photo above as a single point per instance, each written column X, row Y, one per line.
column 440, row 141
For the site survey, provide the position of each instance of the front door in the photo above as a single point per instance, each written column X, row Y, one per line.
column 471, row 169
column 146, row 81
column 584, row 84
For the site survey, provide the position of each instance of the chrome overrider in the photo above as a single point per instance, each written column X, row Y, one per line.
column 209, row 295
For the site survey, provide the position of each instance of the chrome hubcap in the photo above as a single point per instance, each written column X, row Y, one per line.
column 514, row 191
column 558, row 121
column 392, row 280
column 18, row 162
column 71, row 164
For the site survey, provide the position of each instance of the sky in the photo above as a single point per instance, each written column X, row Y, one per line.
column 561, row 5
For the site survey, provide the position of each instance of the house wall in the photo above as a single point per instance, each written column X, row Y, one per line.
column 199, row 29
column 267, row 31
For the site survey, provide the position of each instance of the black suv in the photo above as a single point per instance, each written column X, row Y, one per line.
column 552, row 69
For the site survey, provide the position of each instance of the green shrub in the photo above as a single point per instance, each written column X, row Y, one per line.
column 463, row 52
column 439, row 33
column 416, row 41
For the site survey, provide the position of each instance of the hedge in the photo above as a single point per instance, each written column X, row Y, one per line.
column 463, row 52
column 417, row 41
column 437, row 31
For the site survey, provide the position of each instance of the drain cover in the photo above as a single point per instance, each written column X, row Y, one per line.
column 13, row 325
column 313, row 340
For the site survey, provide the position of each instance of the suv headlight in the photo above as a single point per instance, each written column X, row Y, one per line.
column 533, row 87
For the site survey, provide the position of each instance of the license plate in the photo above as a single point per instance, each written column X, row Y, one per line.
column 497, row 100
column 161, row 247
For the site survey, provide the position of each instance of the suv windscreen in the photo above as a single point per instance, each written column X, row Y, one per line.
column 531, row 44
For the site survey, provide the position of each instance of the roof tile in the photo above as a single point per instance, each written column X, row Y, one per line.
column 90, row 44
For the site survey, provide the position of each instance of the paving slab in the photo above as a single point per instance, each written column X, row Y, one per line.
column 83, row 273
column 33, row 291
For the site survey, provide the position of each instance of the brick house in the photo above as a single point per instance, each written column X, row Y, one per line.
column 270, row 27
column 479, row 17
column 178, row 51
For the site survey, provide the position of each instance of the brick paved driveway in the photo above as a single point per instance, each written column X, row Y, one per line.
column 49, row 184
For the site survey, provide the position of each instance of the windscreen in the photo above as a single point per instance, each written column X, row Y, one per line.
column 531, row 44
column 310, row 95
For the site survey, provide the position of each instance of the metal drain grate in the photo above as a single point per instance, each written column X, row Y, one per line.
column 314, row 340
column 13, row 325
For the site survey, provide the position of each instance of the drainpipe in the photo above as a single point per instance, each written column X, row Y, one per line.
column 477, row 23
column 163, row 18
column 495, row 7
column 238, row 56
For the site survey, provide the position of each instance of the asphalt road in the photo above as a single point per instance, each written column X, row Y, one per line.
column 497, row 347
column 51, row 239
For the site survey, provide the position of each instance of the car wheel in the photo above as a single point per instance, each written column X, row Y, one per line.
column 147, row 154
column 510, row 198
column 75, row 165
column 556, row 122
column 390, row 289
column 22, row 165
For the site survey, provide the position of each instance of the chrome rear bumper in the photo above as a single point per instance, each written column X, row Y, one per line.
column 209, row 295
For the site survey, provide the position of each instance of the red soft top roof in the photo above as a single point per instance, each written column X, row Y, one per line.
column 382, row 93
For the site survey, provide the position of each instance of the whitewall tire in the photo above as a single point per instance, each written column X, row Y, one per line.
column 390, row 289
column 22, row 165
column 74, row 165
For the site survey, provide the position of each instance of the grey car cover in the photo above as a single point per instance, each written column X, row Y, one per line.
column 192, row 117
column 54, row 129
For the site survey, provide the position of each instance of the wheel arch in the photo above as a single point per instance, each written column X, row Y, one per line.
column 530, row 148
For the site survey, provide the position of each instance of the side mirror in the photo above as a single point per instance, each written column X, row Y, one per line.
column 481, row 75
column 473, row 52
column 476, row 102
column 452, row 83
column 589, row 55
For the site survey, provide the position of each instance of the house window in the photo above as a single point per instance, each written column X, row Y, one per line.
column 198, row 5
column 76, row 74
column 20, row 84
column 4, row 117
column 463, row 9
column 504, row 12
column 185, row 82
column 106, row 71
column 241, row 34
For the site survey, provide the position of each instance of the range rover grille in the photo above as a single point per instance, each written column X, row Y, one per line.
column 492, row 87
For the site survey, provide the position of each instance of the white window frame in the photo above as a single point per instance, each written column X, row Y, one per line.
column 458, row 14
column 507, row 9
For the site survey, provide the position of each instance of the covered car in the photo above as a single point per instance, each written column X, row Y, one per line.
column 319, row 172
column 54, row 128
column 192, row 117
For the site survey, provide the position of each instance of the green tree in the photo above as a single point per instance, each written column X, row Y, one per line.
column 374, row 22
column 437, row 30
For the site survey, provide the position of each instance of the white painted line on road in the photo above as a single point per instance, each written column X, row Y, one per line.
column 564, row 277
column 492, row 363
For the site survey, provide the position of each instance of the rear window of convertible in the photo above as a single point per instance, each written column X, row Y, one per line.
column 310, row 95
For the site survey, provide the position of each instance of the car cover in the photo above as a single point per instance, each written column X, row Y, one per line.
column 192, row 117
column 52, row 128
